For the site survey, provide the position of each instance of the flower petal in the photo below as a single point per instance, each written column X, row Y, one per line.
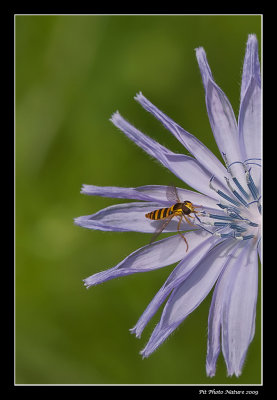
column 200, row 243
column 251, row 65
column 148, row 144
column 214, row 321
column 250, row 126
column 155, row 193
column 207, row 159
column 188, row 295
column 157, row 255
column 192, row 173
column 239, row 308
column 222, row 119
column 127, row 217
column 184, row 167
column 250, row 130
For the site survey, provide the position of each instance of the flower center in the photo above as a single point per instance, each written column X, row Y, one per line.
column 239, row 214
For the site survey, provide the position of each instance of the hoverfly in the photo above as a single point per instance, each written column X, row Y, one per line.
column 181, row 209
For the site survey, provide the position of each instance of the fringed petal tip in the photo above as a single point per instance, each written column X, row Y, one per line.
column 121, row 123
column 144, row 354
column 93, row 190
column 199, row 49
column 85, row 189
column 103, row 276
column 139, row 96
column 84, row 222
column 86, row 284
column 211, row 367
column 115, row 117
column 236, row 373
column 134, row 331
column 252, row 39
column 200, row 54
column 251, row 65
column 201, row 57
column 205, row 70
column 210, row 372
column 78, row 221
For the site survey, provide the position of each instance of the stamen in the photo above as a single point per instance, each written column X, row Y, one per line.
column 228, row 209
column 246, row 195
column 223, row 194
column 223, row 235
column 238, row 196
column 215, row 216
column 205, row 229
column 255, row 201
column 229, row 165
column 258, row 203
column 238, row 237
column 223, row 206
column 253, row 163
column 235, row 180
column 198, row 219
column 233, row 222
column 235, row 162
column 238, row 228
column 225, row 159
column 254, row 158
column 249, row 161
column 220, row 224
column 234, row 236
column 235, row 215
column 251, row 185
column 248, row 237
column 252, row 224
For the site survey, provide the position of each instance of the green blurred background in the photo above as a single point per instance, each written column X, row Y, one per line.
column 72, row 73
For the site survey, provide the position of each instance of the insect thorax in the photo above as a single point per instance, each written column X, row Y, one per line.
column 187, row 207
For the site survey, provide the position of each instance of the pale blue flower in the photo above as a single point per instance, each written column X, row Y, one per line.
column 225, row 238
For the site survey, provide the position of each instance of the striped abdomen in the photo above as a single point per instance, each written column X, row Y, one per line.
column 162, row 213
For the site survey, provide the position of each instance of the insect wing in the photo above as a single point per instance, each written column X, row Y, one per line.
column 161, row 225
column 172, row 195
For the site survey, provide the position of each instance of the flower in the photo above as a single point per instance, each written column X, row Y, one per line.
column 224, row 237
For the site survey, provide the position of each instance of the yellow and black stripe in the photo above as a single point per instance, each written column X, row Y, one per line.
column 162, row 213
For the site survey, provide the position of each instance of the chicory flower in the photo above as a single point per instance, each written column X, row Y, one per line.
column 224, row 235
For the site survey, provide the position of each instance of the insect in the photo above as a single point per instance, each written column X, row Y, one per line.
column 181, row 209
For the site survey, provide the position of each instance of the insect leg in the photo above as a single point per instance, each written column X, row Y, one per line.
column 197, row 212
column 197, row 207
column 187, row 220
column 178, row 228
